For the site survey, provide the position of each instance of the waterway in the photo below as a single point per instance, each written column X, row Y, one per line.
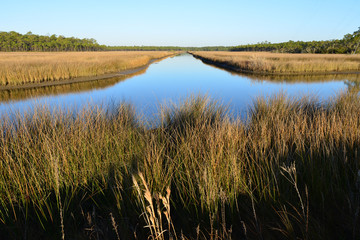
column 172, row 80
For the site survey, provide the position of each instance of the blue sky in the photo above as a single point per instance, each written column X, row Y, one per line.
column 183, row 23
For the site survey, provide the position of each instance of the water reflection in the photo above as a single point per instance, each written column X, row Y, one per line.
column 173, row 79
column 28, row 93
column 355, row 78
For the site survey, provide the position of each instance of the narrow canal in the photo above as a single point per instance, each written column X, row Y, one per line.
column 171, row 80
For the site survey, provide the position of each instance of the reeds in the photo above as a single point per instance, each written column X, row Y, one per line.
column 289, row 171
column 282, row 63
column 18, row 68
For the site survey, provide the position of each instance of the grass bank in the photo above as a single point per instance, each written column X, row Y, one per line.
column 22, row 92
column 282, row 63
column 19, row 68
column 290, row 172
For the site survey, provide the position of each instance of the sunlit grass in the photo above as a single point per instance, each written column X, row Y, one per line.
column 20, row 94
column 289, row 171
column 17, row 68
column 282, row 63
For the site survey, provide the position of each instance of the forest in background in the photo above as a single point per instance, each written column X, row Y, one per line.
column 13, row 41
column 350, row 43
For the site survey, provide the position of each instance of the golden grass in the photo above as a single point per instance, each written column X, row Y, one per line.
column 282, row 63
column 25, row 93
column 290, row 171
column 18, row 68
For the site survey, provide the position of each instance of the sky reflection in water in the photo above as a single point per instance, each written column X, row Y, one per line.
column 172, row 80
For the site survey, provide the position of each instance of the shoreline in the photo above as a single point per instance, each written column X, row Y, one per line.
column 82, row 79
column 233, row 68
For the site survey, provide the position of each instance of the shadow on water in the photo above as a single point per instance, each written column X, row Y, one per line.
column 23, row 94
column 309, row 78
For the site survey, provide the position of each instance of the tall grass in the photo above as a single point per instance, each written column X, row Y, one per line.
column 53, row 89
column 289, row 171
column 282, row 63
column 18, row 68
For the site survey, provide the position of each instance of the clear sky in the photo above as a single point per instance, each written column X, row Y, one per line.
column 183, row 23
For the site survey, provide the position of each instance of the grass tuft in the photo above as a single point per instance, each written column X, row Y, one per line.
column 290, row 171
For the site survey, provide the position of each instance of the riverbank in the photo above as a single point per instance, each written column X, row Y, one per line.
column 22, row 93
column 290, row 171
column 282, row 64
column 30, row 70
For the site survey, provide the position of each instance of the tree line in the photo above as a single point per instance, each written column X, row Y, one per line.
column 13, row 41
column 166, row 48
column 350, row 43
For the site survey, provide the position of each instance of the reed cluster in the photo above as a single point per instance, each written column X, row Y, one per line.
column 290, row 171
column 282, row 63
column 18, row 68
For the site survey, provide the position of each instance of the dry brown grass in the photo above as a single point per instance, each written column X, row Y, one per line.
column 53, row 89
column 283, row 63
column 18, row 68
column 290, row 172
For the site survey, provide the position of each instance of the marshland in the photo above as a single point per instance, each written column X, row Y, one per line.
column 173, row 79
column 182, row 150
column 18, row 68
column 282, row 63
column 101, row 143
column 289, row 171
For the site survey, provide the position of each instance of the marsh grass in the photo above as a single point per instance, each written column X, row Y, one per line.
column 290, row 171
column 18, row 68
column 21, row 94
column 283, row 63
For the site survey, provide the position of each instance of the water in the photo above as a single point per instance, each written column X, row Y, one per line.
column 173, row 79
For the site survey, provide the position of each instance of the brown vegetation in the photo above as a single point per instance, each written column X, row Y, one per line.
column 17, row 68
column 289, row 172
column 282, row 63
column 21, row 93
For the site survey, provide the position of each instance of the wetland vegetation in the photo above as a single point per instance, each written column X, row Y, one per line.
column 289, row 171
column 282, row 63
column 18, row 94
column 18, row 68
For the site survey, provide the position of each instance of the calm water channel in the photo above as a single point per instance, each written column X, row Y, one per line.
column 173, row 79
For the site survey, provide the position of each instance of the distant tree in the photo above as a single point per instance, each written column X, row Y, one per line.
column 356, row 40
column 349, row 44
column 13, row 41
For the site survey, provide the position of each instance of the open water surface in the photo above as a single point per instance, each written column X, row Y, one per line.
column 171, row 80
